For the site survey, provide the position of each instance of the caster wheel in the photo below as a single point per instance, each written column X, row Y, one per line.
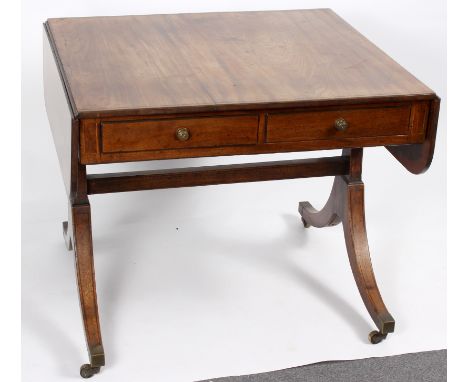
column 87, row 371
column 306, row 225
column 376, row 337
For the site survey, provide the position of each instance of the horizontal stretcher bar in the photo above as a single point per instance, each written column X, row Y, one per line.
column 210, row 175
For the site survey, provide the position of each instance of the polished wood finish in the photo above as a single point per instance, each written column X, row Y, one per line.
column 134, row 88
column 58, row 109
column 418, row 157
column 368, row 122
column 346, row 205
column 77, row 230
column 91, row 149
column 308, row 63
column 160, row 134
column 83, row 244
column 136, row 138
column 130, row 65
column 208, row 175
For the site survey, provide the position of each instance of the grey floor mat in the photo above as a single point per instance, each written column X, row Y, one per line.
column 428, row 366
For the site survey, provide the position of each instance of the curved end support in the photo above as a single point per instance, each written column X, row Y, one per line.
column 324, row 218
column 346, row 205
column 84, row 263
column 354, row 227
column 417, row 158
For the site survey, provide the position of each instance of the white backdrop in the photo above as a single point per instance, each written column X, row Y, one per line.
column 212, row 281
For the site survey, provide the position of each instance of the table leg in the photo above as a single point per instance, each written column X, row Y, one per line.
column 326, row 217
column 83, row 246
column 346, row 205
column 67, row 236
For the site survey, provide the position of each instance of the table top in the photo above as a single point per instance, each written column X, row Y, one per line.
column 136, row 65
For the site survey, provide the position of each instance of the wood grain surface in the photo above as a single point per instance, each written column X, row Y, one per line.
column 59, row 112
column 365, row 122
column 136, row 138
column 160, row 134
column 224, row 174
column 346, row 205
column 131, row 88
column 134, row 65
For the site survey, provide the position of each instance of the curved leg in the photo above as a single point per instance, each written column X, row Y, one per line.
column 326, row 217
column 67, row 227
column 354, row 227
column 83, row 245
column 346, row 205
column 67, row 236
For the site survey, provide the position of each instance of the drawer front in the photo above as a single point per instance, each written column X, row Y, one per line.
column 360, row 123
column 178, row 133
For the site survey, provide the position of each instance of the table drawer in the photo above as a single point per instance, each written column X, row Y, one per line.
column 178, row 133
column 358, row 123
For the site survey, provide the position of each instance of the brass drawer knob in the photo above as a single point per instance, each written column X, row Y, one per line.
column 341, row 124
column 182, row 134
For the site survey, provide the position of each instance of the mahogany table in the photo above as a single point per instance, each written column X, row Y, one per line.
column 136, row 88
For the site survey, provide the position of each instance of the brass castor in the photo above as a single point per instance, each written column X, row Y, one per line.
column 376, row 337
column 306, row 225
column 87, row 371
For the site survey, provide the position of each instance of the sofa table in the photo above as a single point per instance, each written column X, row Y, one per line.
column 138, row 88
